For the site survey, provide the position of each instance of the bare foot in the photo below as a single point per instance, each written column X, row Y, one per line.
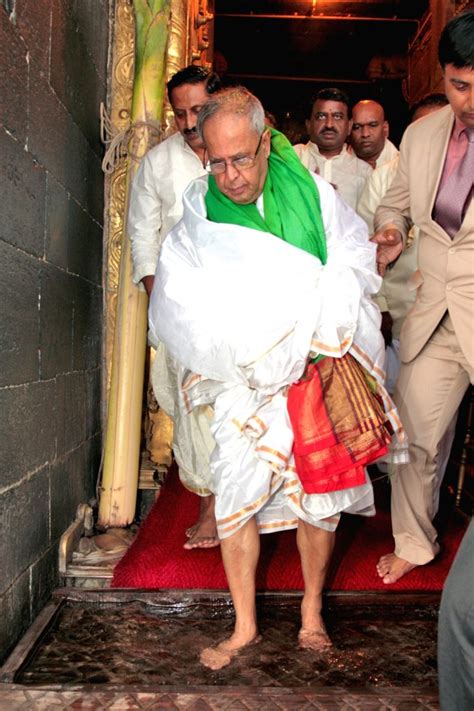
column 312, row 634
column 203, row 534
column 316, row 640
column 391, row 568
column 191, row 530
column 220, row 656
column 201, row 542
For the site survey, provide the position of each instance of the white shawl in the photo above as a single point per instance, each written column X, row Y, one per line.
column 241, row 310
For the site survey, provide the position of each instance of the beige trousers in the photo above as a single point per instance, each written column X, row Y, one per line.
column 428, row 393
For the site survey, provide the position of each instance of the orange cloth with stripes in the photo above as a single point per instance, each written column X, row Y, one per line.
column 339, row 425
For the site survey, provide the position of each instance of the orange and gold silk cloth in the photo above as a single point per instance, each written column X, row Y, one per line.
column 339, row 425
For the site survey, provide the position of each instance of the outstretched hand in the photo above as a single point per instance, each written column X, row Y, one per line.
column 389, row 247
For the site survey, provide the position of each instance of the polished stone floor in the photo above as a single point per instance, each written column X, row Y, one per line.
column 132, row 644
column 143, row 653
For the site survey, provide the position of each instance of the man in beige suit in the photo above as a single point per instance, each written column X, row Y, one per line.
column 433, row 189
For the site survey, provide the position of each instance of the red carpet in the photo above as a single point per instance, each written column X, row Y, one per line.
column 157, row 559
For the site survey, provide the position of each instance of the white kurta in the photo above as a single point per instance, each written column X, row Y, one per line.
column 389, row 152
column 156, row 205
column 156, row 199
column 347, row 173
column 241, row 310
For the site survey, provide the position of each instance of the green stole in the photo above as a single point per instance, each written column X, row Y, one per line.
column 291, row 202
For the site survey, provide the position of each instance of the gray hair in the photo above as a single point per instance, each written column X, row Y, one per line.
column 235, row 100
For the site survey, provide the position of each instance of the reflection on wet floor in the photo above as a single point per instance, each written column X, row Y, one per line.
column 375, row 646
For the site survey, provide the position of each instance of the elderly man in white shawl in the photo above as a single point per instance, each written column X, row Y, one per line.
column 264, row 288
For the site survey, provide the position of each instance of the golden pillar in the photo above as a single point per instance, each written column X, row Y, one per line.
column 152, row 39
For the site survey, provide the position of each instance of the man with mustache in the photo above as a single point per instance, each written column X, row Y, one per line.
column 326, row 152
column 155, row 207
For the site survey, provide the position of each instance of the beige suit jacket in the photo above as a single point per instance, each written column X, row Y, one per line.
column 445, row 275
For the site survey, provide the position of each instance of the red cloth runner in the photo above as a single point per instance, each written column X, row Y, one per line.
column 157, row 560
column 339, row 425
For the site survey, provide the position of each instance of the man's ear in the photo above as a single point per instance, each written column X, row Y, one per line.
column 307, row 123
column 386, row 128
column 267, row 138
column 349, row 129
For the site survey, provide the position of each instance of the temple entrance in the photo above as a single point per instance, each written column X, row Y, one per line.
column 212, row 34
column 313, row 33
column 396, row 70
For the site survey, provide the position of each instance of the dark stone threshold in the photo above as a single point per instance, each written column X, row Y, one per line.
column 139, row 649
column 16, row 698
column 204, row 698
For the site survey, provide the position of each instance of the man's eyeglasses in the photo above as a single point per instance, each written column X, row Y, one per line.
column 242, row 163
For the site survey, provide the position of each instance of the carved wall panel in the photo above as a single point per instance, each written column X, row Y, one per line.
column 424, row 72
column 120, row 101
column 190, row 41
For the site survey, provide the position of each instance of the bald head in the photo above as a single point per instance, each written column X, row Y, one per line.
column 369, row 130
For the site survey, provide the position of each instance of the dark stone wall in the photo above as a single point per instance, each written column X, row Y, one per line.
column 53, row 60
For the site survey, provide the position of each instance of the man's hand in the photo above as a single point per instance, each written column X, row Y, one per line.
column 390, row 246
column 147, row 282
column 386, row 327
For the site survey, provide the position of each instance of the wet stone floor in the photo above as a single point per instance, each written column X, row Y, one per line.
column 375, row 646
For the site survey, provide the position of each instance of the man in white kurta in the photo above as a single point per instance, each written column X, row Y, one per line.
column 242, row 310
column 326, row 152
column 369, row 135
column 156, row 205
